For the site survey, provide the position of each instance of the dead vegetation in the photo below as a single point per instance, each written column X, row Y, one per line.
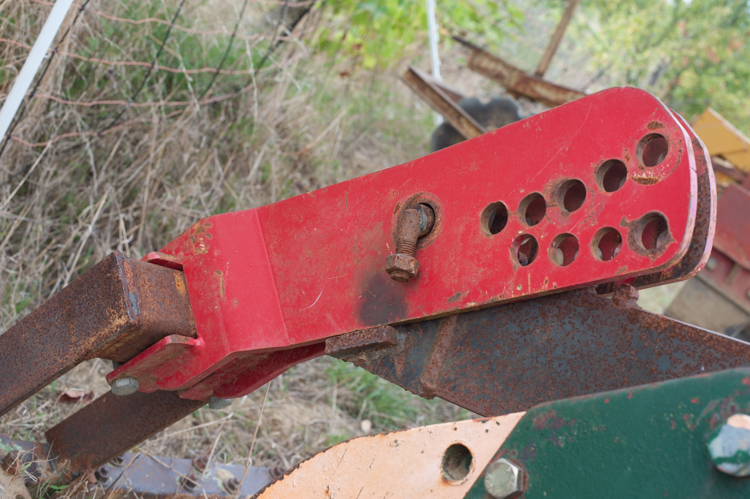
column 95, row 165
column 87, row 174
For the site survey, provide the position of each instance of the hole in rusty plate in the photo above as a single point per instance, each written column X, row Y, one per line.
column 653, row 232
column 524, row 249
column 563, row 250
column 532, row 209
column 652, row 149
column 571, row 195
column 494, row 218
column 611, row 175
column 607, row 244
column 457, row 462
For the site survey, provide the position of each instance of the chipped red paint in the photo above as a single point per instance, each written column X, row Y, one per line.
column 302, row 270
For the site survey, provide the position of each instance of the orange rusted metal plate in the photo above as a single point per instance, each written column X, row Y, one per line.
column 403, row 464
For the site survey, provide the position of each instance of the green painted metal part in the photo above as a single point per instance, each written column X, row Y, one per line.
column 645, row 442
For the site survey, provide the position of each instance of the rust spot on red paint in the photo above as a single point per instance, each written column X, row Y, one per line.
column 455, row 297
column 645, row 179
column 654, row 125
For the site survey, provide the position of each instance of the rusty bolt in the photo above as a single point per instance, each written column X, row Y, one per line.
column 102, row 474
column 729, row 446
column 276, row 471
column 12, row 463
column 124, row 386
column 712, row 264
column 216, row 403
column 503, row 479
column 199, row 463
column 189, row 482
column 414, row 223
column 231, row 485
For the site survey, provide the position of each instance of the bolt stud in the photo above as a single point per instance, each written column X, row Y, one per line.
column 414, row 223
column 231, row 485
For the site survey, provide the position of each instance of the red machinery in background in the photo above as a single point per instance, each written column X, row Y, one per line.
column 481, row 274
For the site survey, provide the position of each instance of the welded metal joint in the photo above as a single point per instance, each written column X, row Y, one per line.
column 414, row 223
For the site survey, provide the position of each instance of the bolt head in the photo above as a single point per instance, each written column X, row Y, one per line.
column 401, row 267
column 712, row 264
column 231, row 485
column 124, row 386
column 216, row 403
column 729, row 446
column 503, row 479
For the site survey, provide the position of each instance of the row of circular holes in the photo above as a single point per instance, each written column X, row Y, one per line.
column 607, row 242
column 605, row 245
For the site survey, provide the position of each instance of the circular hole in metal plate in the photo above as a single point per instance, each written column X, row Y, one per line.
column 607, row 244
column 611, row 175
column 457, row 462
column 653, row 232
column 652, row 149
column 571, row 195
column 532, row 209
column 494, row 218
column 524, row 249
column 563, row 250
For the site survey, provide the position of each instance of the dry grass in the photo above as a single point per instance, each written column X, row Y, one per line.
column 291, row 128
column 288, row 129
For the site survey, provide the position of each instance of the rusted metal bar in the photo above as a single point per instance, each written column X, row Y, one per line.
column 132, row 475
column 511, row 357
column 442, row 102
column 517, row 81
column 554, row 42
column 147, row 477
column 114, row 311
column 111, row 425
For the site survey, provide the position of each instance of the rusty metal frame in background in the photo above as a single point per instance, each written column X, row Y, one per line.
column 444, row 100
column 518, row 82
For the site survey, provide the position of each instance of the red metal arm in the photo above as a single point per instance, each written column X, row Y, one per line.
column 268, row 286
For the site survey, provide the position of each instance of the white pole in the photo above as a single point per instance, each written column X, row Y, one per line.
column 31, row 66
column 432, row 33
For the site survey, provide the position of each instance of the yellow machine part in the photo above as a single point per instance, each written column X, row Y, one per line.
column 724, row 140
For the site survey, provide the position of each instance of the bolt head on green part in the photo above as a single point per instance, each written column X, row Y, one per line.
column 729, row 446
column 503, row 479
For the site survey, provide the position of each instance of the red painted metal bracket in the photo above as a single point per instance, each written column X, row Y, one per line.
column 603, row 189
